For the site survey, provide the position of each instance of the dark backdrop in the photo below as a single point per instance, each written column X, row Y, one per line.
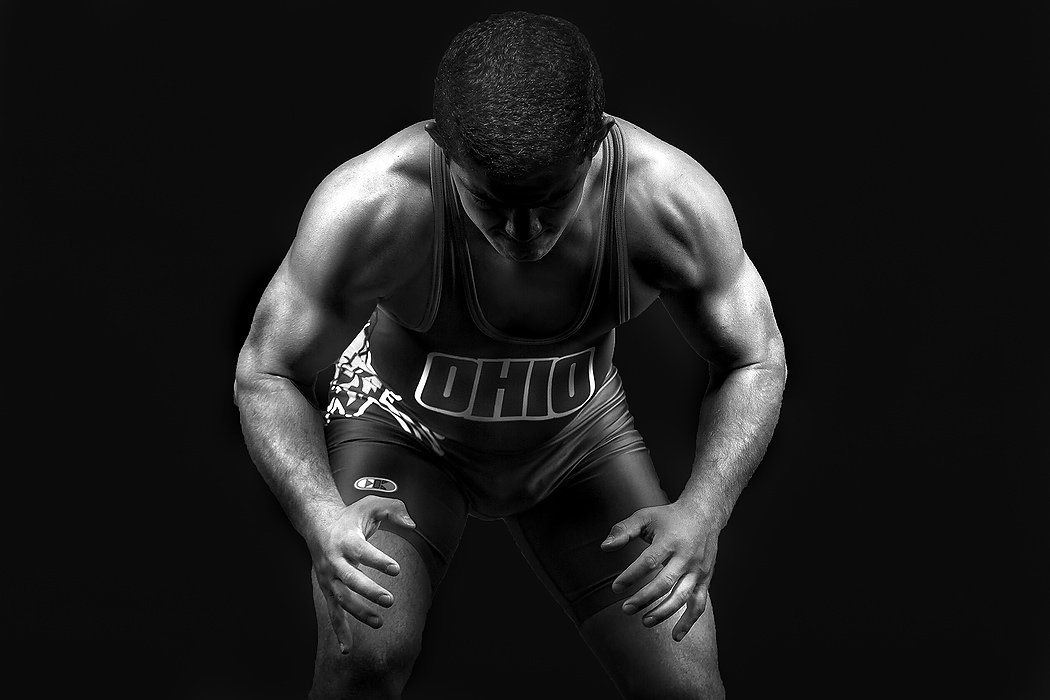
column 888, row 169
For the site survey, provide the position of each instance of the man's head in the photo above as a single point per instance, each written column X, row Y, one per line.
column 518, row 93
column 519, row 110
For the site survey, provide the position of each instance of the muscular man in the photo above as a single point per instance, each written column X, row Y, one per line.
column 466, row 276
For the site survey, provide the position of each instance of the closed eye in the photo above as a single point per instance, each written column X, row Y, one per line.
column 485, row 203
column 480, row 201
column 558, row 200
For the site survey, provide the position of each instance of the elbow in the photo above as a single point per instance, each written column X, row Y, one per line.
column 771, row 363
column 243, row 379
column 240, row 378
column 781, row 376
column 778, row 359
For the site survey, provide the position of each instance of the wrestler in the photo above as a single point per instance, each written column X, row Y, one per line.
column 466, row 277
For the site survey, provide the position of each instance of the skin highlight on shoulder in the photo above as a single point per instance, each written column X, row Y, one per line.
column 682, row 229
column 370, row 220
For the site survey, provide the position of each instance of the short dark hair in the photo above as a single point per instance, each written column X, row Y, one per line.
column 518, row 92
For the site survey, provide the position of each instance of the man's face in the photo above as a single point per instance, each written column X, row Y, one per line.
column 523, row 220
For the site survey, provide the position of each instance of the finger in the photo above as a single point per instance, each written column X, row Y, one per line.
column 693, row 610
column 358, row 582
column 396, row 512
column 672, row 603
column 364, row 552
column 647, row 561
column 622, row 532
column 656, row 589
column 340, row 625
column 355, row 605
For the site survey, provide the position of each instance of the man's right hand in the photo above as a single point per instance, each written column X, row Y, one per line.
column 340, row 548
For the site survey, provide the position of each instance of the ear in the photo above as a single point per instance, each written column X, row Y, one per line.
column 432, row 129
column 603, row 131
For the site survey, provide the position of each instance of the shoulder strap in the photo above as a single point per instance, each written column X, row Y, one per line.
column 437, row 195
column 616, row 176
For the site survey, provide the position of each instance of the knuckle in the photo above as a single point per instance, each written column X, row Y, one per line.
column 343, row 575
column 336, row 602
column 327, row 586
column 327, row 575
column 362, row 550
column 651, row 561
column 369, row 502
column 353, row 547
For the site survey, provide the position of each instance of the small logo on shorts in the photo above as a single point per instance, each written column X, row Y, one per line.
column 374, row 483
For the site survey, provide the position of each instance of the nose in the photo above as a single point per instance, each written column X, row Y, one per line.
column 523, row 225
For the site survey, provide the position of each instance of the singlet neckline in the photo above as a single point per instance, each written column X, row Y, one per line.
column 471, row 292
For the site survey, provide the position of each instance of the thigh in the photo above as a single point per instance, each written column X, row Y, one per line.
column 561, row 537
column 373, row 458
column 380, row 660
column 370, row 458
column 647, row 663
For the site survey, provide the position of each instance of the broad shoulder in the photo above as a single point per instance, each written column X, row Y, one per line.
column 370, row 221
column 682, row 232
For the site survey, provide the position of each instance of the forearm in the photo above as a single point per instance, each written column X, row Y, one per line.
column 285, row 438
column 737, row 419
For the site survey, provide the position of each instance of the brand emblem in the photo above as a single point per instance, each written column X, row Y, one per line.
column 374, row 483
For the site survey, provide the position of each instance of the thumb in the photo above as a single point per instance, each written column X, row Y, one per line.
column 397, row 513
column 623, row 532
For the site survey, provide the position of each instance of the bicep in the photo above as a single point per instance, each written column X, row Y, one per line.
column 716, row 296
column 706, row 281
column 343, row 259
column 728, row 318
column 298, row 329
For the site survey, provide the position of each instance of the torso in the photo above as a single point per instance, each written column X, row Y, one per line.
column 504, row 326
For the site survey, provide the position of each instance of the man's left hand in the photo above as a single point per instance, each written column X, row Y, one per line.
column 684, row 543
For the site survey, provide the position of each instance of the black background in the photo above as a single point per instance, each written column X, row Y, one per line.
column 887, row 165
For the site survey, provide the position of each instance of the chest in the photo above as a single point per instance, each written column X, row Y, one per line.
column 536, row 299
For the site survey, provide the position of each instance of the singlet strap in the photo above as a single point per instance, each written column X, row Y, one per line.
column 616, row 189
column 441, row 228
column 464, row 272
column 438, row 255
column 610, row 254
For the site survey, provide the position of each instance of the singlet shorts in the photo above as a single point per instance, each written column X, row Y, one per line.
column 559, row 499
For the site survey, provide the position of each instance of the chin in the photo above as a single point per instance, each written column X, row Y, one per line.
column 526, row 253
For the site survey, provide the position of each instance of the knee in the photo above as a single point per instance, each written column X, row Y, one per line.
column 379, row 672
column 389, row 665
